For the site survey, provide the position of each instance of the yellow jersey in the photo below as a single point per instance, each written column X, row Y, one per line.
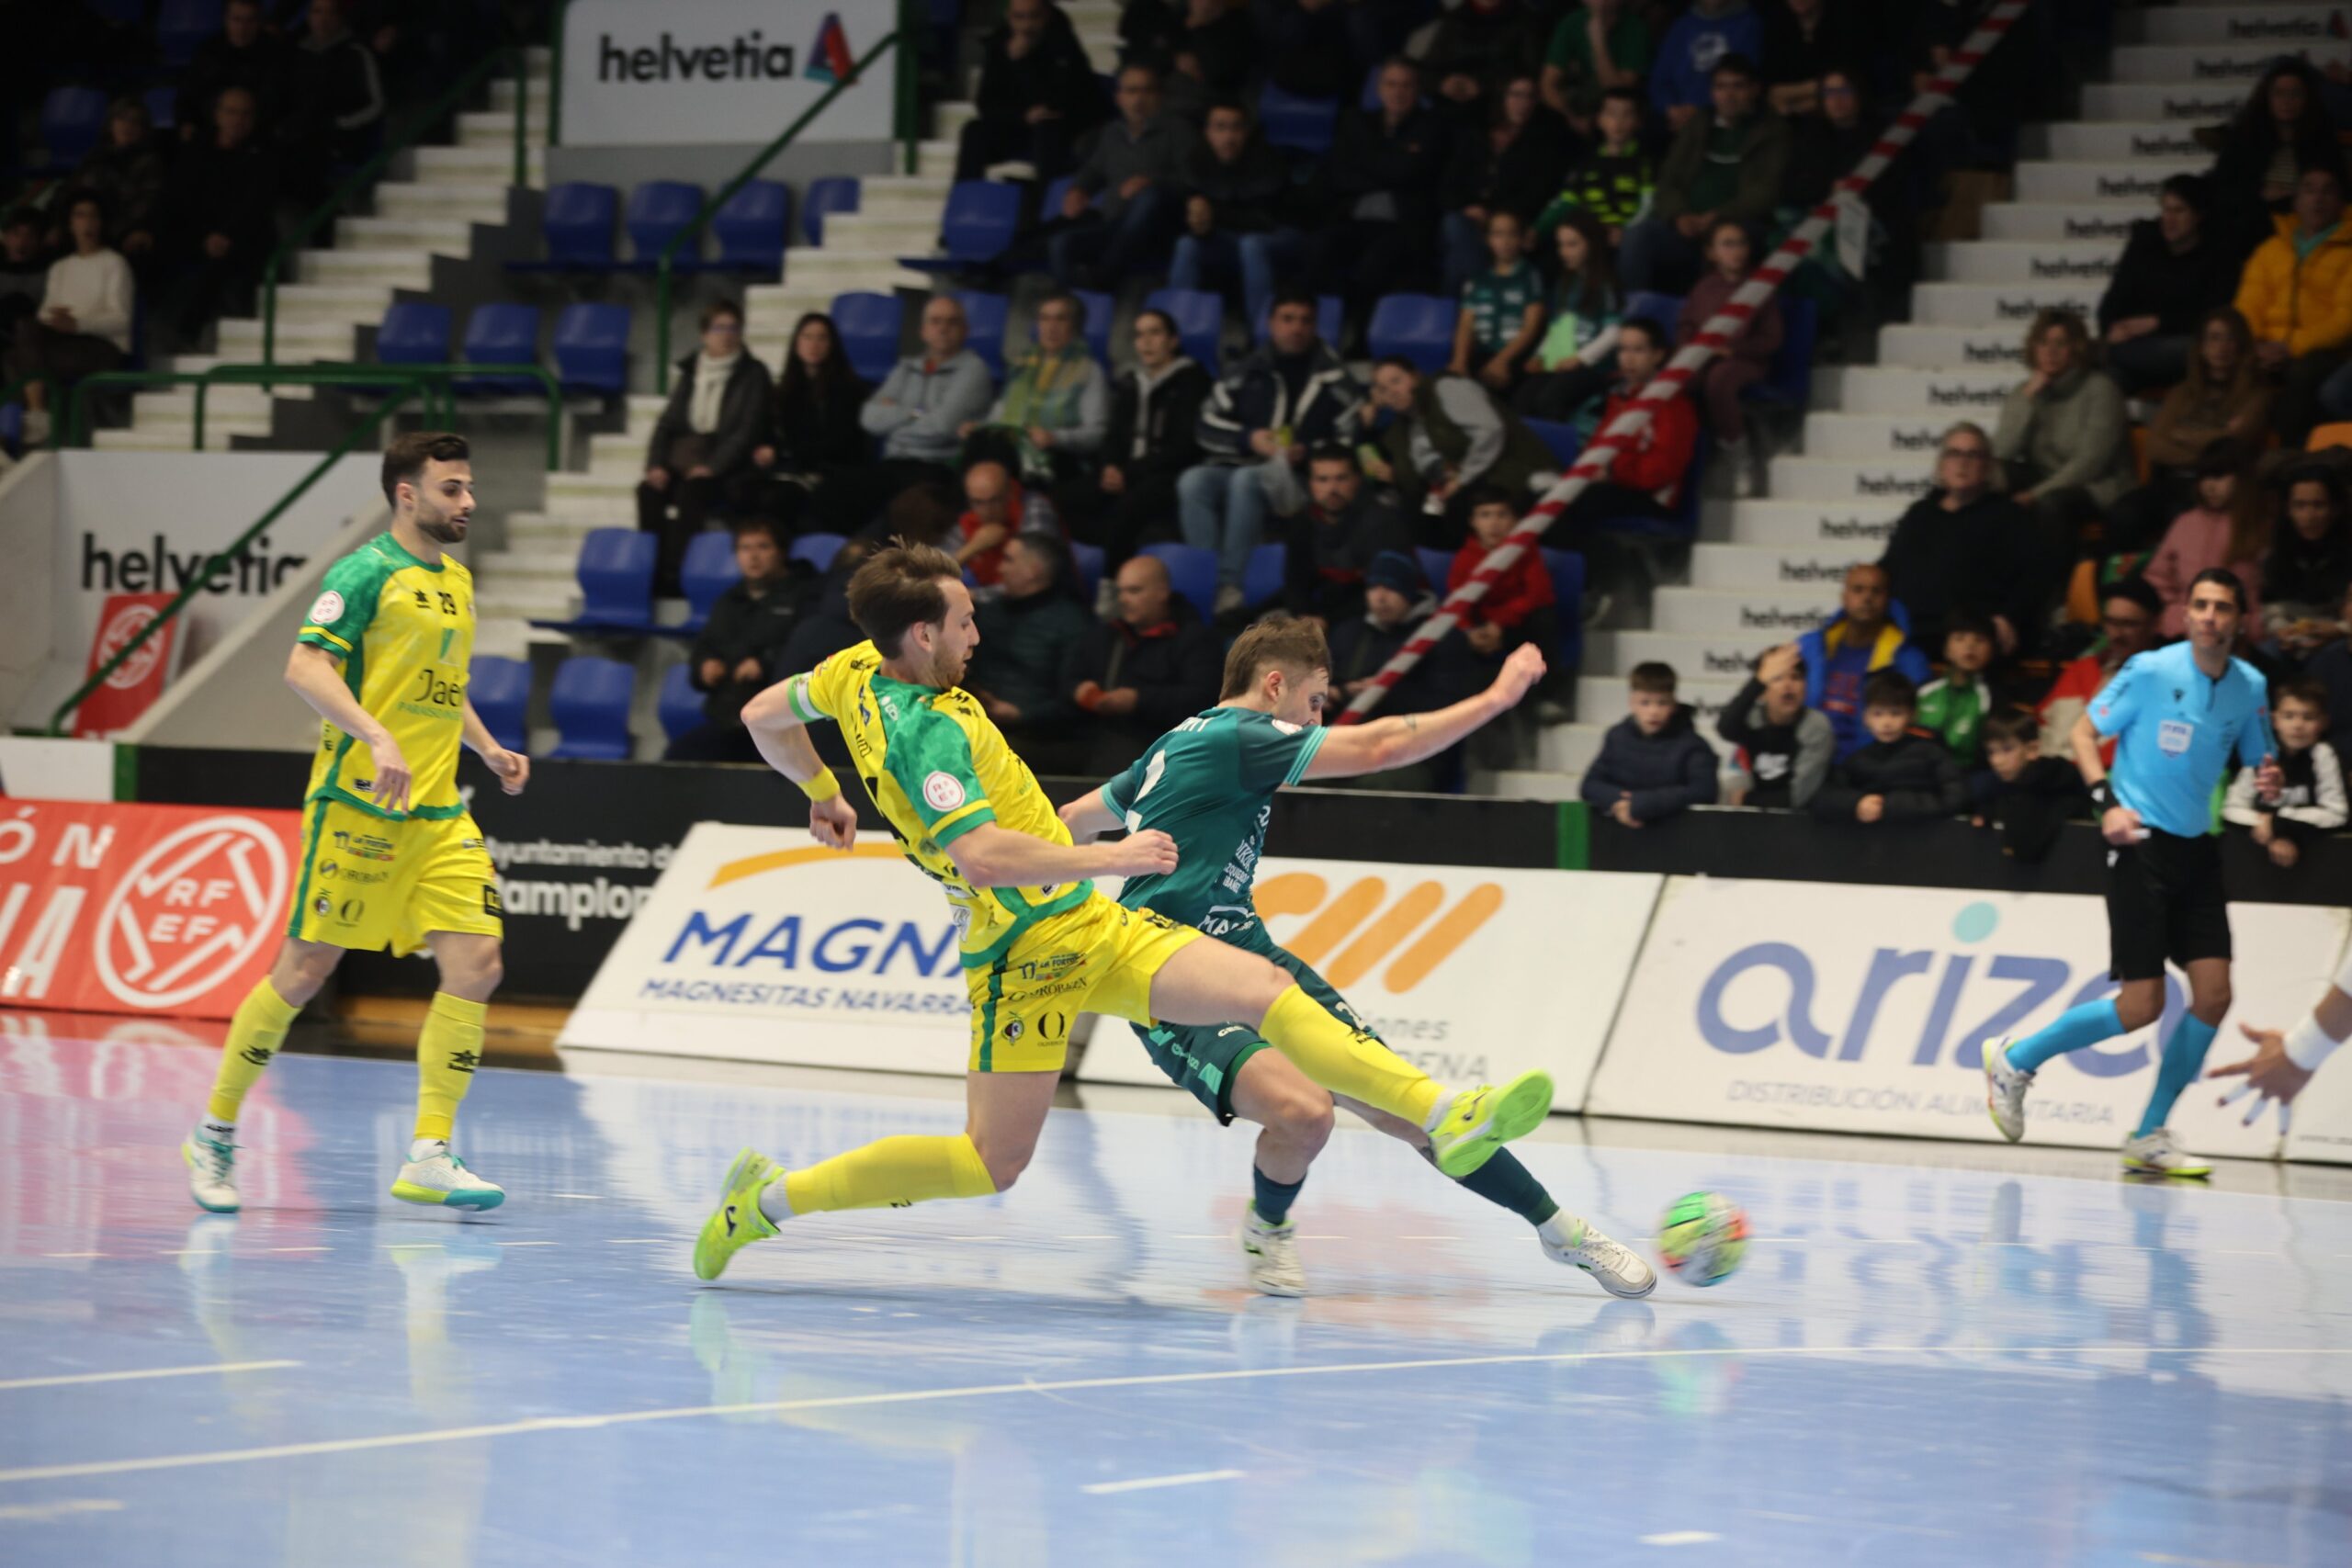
column 936, row 768
column 404, row 631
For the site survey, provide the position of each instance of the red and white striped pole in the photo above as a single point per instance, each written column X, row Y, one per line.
column 1592, row 462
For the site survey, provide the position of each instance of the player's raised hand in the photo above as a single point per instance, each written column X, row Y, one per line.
column 1148, row 854
column 833, row 822
column 1519, row 672
column 392, row 778
column 2270, row 1073
column 513, row 768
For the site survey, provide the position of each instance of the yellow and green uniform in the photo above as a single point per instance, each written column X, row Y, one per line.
column 1033, row 957
column 373, row 877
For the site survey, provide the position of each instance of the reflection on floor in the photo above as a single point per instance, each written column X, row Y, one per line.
column 1936, row 1354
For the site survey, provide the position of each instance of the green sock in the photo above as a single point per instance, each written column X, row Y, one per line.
column 1275, row 1198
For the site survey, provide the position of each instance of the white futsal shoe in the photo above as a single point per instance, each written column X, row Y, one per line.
column 2005, row 1087
column 211, row 1173
column 1270, row 1255
column 2155, row 1154
column 1615, row 1266
column 442, row 1178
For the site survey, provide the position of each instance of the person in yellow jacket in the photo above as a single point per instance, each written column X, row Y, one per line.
column 2296, row 295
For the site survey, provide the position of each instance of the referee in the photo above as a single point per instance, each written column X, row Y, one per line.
column 2179, row 714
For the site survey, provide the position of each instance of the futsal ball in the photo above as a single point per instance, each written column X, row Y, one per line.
column 1702, row 1238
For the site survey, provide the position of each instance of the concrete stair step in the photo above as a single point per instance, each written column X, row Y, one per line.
column 2217, row 64
column 2093, row 185
column 537, row 530
column 2191, row 103
column 1783, row 612
column 1939, row 395
column 948, row 120
column 495, row 128
column 2123, row 141
column 535, row 567
column 2008, row 264
column 937, row 158
column 297, row 341
column 365, row 269
column 177, row 406
column 442, row 200
column 436, row 236
column 595, row 488
column 831, row 270
column 1868, row 437
column 522, row 602
column 1830, row 528
column 1891, row 483
column 1719, row 658
column 1600, row 698
column 491, row 167
column 1752, row 568
column 2035, row 222
column 1938, row 348
column 616, row 456
column 903, row 233
column 1978, row 304
column 322, row 303
column 2268, row 23
column 893, row 193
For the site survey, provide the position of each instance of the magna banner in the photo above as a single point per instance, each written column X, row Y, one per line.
column 721, row 70
column 166, row 910
column 1863, row 1010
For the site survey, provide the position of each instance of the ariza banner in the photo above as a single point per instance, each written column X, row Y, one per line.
column 157, row 910
column 722, row 72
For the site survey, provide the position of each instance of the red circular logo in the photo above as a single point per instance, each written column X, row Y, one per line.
column 128, row 624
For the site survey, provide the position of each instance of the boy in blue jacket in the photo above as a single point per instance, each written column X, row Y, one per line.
column 1654, row 763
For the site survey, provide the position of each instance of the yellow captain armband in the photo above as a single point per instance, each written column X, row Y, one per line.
column 821, row 789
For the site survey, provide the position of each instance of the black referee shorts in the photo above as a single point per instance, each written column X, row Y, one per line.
column 2165, row 901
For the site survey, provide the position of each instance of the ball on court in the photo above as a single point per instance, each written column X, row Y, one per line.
column 1702, row 1238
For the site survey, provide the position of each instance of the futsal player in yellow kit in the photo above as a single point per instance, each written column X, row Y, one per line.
column 391, row 857
column 1039, row 945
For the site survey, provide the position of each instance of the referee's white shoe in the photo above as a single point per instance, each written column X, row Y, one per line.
column 2005, row 1087
column 2155, row 1154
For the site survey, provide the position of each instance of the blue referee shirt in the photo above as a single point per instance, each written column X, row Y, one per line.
column 2179, row 727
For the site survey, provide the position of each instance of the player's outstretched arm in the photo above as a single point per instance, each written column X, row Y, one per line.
column 783, row 740
column 1401, row 739
column 2284, row 1062
column 513, row 768
column 991, row 856
column 316, row 676
column 1087, row 816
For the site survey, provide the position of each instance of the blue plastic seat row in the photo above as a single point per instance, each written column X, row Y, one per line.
column 578, row 220
column 591, row 342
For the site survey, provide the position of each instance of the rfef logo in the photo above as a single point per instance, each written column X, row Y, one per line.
column 198, row 904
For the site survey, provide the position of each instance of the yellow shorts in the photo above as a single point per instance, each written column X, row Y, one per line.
column 369, row 883
column 1099, row 957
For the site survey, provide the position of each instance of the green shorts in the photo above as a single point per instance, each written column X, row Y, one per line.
column 1203, row 1059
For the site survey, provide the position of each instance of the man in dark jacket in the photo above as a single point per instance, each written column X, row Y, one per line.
column 1233, row 213
column 1397, row 601
column 1147, row 671
column 740, row 651
column 220, row 215
column 1899, row 776
column 1121, row 206
column 1653, row 761
column 1026, row 670
column 1383, row 174
column 1333, row 542
column 2171, row 273
column 1153, row 438
column 1037, row 95
column 245, row 54
column 338, row 94
column 1964, row 545
column 1725, row 163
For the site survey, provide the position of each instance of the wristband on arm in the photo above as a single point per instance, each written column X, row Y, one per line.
column 821, row 789
column 2308, row 1045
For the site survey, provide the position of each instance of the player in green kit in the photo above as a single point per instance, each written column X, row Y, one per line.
column 1210, row 783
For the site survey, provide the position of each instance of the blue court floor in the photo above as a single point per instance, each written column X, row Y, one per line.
column 1935, row 1355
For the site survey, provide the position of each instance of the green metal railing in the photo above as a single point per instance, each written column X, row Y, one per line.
column 401, row 142
column 14, row 390
column 363, row 428
column 663, row 268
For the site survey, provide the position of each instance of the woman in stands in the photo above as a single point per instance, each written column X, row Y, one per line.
column 2064, row 440
column 702, row 443
column 2222, row 398
column 2309, row 568
column 2282, row 131
column 83, row 323
column 2229, row 527
column 813, row 434
column 1577, row 358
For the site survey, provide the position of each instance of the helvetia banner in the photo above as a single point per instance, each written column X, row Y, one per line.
column 721, row 70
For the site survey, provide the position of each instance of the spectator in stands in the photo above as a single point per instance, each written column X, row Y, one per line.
column 1476, row 45
column 126, row 172
column 1049, row 421
column 1746, row 358
column 2030, row 796
column 2229, row 526
column 1653, row 763
column 1277, row 404
column 2310, row 564
column 1510, row 165
column 1614, row 181
column 1645, row 474
column 701, row 445
column 1501, row 318
column 1449, row 436
column 1120, row 209
column 1693, row 50
column 1154, row 436
column 1824, row 148
column 925, row 401
column 244, row 54
column 1576, row 358
column 997, row 507
column 1235, row 188
column 1382, row 173
column 1783, row 749
column 1725, row 163
column 1897, row 775
column 338, row 107
column 2222, row 398
column 1024, row 672
column 1333, row 542
column 1965, row 546
column 1216, row 35
column 2297, row 296
column 1952, row 708
column 2172, row 273
column 740, row 651
column 24, row 271
column 84, row 326
column 1145, row 671
column 2064, row 437
column 1804, row 43
column 221, row 208
column 2281, row 134
column 2129, row 610
column 2331, row 669
column 1600, row 47
column 813, row 438
column 1397, row 604
column 1037, row 95
column 2312, row 802
column 1867, row 637
column 1519, row 605
column 1319, row 49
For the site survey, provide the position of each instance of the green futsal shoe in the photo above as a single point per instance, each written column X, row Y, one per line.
column 737, row 1221
column 1482, row 1120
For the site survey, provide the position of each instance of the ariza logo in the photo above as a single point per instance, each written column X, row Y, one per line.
column 1349, row 933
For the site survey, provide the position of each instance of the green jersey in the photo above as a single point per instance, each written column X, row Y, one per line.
column 1209, row 783
column 1954, row 713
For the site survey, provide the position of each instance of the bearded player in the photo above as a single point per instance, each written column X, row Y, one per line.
column 1210, row 783
column 391, row 857
column 1038, row 944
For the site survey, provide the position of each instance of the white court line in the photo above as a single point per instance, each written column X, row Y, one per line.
column 73, row 1255
column 1680, row 1537
column 638, row 1240
column 522, row 1244
column 48, row 1513
column 1151, row 1379
column 1150, row 1483
column 588, row 1197
column 151, row 1372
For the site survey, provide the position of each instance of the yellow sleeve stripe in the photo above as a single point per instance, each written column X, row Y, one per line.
column 324, row 635
column 962, row 820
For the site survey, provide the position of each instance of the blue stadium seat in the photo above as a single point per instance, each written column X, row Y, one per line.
column 577, row 225
column 500, row 690
column 589, row 702
column 1200, row 320
column 658, row 209
column 414, row 332
column 12, row 427
column 1191, row 570
column 835, row 193
column 162, row 106
column 1049, row 206
column 1563, row 439
column 1262, row 579
column 751, row 226
column 501, row 334
column 615, row 574
column 987, row 315
column 680, row 706
column 1330, row 318
column 1567, row 568
column 1788, row 381
column 1089, row 567
column 978, row 222
column 1302, row 125
column 707, row 571
column 1663, row 308
column 1436, row 565
column 592, row 348
column 1419, row 326
column 71, row 121
column 817, row 550
column 868, row 326
column 183, row 25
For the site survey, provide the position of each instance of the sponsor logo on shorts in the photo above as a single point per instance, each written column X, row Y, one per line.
column 325, row 906
column 329, row 868
column 1013, row 1030
column 349, row 911
column 489, row 904
column 362, row 846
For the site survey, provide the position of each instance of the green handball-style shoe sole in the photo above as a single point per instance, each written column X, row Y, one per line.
column 737, row 1221
column 1484, row 1119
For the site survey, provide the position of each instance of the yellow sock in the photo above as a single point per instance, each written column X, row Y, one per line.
column 1345, row 1061
column 255, row 1034
column 890, row 1173
column 447, row 1052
